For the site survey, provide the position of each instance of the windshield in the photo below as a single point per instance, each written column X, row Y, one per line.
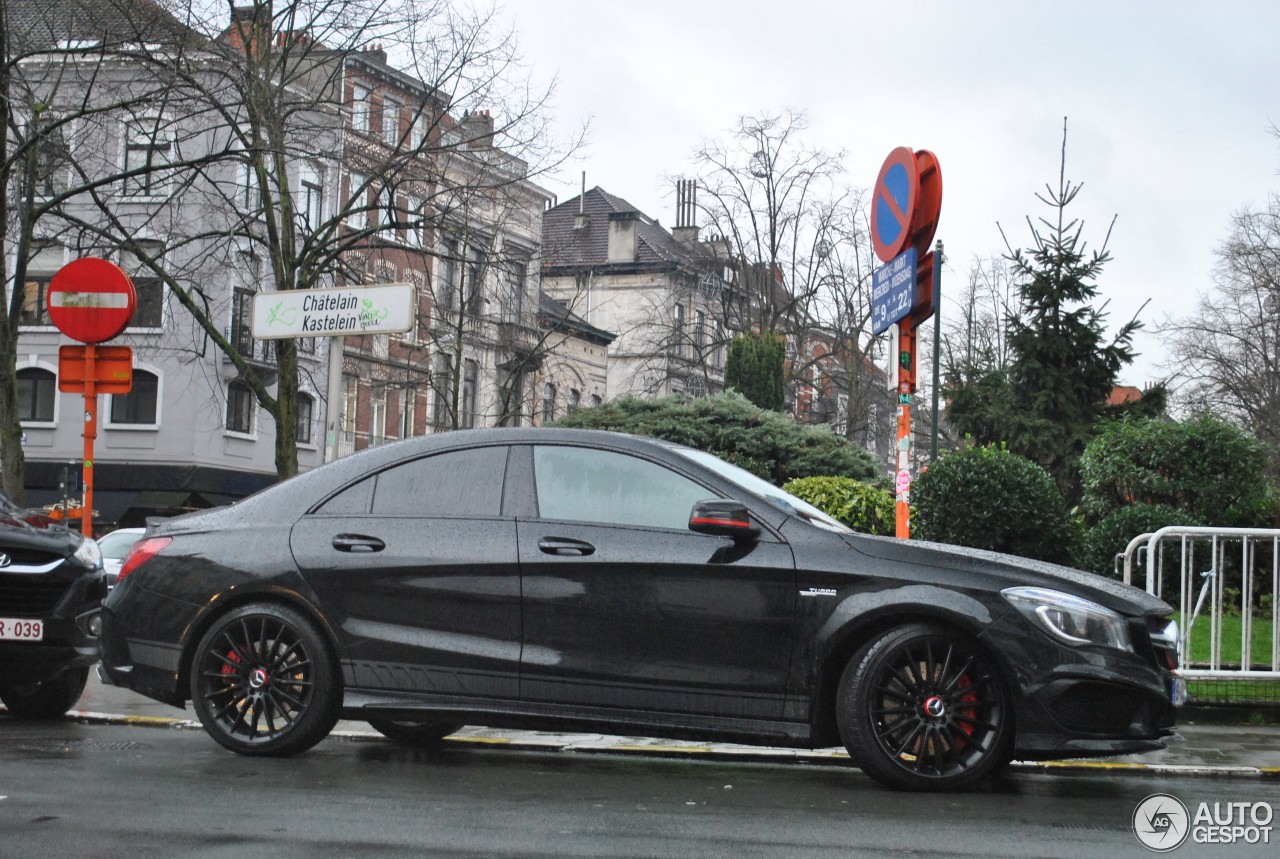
column 764, row 490
column 117, row 543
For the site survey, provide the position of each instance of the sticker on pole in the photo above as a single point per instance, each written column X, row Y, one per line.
column 91, row 300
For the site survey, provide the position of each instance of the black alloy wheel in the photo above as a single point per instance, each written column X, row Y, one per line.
column 47, row 699
column 921, row 708
column 263, row 682
column 412, row 732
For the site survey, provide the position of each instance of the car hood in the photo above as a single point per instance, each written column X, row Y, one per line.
column 1015, row 570
column 26, row 530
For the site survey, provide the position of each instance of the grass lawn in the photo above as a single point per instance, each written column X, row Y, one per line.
column 1260, row 652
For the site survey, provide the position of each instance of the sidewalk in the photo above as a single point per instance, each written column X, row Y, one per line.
column 1206, row 748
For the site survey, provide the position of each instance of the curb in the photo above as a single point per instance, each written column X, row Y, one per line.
column 592, row 745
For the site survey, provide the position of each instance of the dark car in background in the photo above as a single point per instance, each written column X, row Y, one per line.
column 568, row 579
column 51, row 590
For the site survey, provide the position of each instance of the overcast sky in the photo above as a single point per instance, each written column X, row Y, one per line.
column 1170, row 106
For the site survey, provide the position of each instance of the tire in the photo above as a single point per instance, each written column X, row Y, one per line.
column 48, row 699
column 921, row 708
column 263, row 682
column 421, row 734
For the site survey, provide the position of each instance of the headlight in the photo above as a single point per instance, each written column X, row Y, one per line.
column 1070, row 618
column 89, row 554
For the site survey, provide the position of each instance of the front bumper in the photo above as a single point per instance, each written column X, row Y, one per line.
column 1083, row 701
column 70, row 637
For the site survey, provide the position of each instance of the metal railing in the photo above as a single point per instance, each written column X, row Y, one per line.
column 1248, row 557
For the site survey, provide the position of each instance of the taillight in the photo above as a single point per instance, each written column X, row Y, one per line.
column 142, row 551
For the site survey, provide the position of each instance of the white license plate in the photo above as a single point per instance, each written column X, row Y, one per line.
column 18, row 629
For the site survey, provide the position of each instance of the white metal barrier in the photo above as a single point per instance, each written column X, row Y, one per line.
column 1198, row 589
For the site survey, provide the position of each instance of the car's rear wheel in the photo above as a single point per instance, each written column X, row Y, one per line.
column 263, row 682
column 413, row 732
column 48, row 699
column 923, row 708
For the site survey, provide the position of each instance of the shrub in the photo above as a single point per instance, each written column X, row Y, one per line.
column 869, row 509
column 769, row 444
column 1204, row 466
column 990, row 498
column 1112, row 534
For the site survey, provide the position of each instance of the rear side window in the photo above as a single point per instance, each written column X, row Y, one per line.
column 457, row 483
column 583, row 485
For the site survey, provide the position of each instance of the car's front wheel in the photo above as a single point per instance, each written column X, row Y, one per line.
column 263, row 682
column 423, row 734
column 48, row 699
column 924, row 708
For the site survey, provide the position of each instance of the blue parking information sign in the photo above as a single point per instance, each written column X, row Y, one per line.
column 893, row 289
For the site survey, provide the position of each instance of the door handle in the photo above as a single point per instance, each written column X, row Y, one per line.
column 565, row 546
column 357, row 543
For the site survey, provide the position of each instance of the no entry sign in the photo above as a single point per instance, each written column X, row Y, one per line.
column 91, row 300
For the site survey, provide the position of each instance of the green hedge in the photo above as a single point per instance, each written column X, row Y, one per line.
column 865, row 508
column 990, row 498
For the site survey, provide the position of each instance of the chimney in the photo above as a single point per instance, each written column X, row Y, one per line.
column 477, row 129
column 686, row 231
column 580, row 219
column 623, row 246
column 249, row 24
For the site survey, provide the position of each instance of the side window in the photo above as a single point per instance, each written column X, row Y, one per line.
column 457, row 483
column 612, row 488
column 352, row 501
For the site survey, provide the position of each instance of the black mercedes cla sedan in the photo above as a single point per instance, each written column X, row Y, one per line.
column 51, row 589
column 580, row 580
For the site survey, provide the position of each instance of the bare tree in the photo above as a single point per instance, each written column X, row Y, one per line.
column 1227, row 352
column 766, row 192
column 278, row 166
column 59, row 84
column 977, row 333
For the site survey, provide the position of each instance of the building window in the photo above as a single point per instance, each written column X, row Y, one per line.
column 42, row 265
column 148, row 151
column 387, row 213
column 408, row 409
column 361, row 108
column 358, row 202
column 596, row 400
column 416, row 219
column 37, row 391
column 442, row 390
column 390, row 121
column 512, row 309
column 147, row 285
column 474, row 286
column 311, row 191
column 302, row 417
column 677, row 331
column 575, row 399
column 446, row 273
column 239, row 408
column 377, row 420
column 137, row 407
column 548, row 402
column 53, row 159
column 470, row 382
column 242, row 322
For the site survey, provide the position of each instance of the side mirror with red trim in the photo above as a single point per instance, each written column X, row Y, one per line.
column 723, row 517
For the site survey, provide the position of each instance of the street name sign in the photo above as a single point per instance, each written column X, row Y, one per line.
column 381, row 309
column 893, row 289
column 91, row 300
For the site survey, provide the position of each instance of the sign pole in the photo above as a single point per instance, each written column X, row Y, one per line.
column 906, row 387
column 90, row 433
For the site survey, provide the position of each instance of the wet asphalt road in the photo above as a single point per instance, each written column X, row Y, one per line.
column 93, row 790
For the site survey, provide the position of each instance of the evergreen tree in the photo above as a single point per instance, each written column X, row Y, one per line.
column 755, row 367
column 1063, row 368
